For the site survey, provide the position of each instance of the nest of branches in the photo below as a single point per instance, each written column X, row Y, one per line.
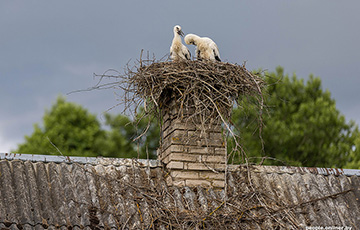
column 203, row 92
column 202, row 89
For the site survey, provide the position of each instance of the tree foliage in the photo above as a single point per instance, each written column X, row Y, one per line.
column 354, row 159
column 71, row 130
column 301, row 124
column 67, row 126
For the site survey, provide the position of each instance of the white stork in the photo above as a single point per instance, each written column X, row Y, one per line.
column 205, row 47
column 178, row 51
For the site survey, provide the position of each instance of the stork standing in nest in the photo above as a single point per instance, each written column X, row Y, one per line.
column 206, row 49
column 179, row 51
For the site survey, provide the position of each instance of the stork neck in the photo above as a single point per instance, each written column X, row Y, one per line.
column 177, row 37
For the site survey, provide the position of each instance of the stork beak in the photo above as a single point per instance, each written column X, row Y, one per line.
column 181, row 33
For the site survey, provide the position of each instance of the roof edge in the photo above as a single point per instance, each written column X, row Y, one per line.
column 82, row 160
column 156, row 163
column 301, row 170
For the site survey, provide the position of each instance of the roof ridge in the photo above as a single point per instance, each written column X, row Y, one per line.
column 304, row 170
column 81, row 160
column 156, row 163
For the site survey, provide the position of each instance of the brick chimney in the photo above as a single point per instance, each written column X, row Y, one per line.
column 192, row 150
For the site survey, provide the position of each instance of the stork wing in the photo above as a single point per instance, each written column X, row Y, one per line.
column 216, row 52
column 187, row 53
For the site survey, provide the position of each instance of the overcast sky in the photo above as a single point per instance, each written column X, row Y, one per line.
column 50, row 48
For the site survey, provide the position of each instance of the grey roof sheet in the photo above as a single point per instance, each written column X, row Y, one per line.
column 81, row 160
column 98, row 193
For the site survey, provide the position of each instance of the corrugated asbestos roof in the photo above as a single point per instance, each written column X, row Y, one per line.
column 48, row 192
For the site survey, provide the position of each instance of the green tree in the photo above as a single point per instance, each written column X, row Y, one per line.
column 301, row 124
column 70, row 129
column 354, row 161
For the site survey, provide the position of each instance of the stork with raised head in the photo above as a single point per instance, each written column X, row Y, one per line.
column 178, row 51
column 206, row 49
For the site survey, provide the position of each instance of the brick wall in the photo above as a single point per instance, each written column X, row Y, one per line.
column 192, row 150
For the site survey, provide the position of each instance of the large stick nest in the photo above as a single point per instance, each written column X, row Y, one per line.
column 204, row 89
column 204, row 92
